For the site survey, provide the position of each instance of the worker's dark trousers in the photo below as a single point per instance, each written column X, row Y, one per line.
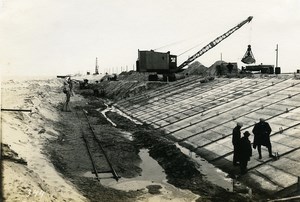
column 235, row 155
column 269, row 146
column 243, row 166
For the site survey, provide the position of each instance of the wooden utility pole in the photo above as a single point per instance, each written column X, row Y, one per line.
column 276, row 55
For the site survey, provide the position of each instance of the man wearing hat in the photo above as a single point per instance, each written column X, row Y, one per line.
column 245, row 152
column 262, row 131
column 236, row 136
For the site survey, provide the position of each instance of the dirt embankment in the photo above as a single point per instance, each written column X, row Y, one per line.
column 27, row 174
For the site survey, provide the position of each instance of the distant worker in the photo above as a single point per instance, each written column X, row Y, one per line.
column 262, row 131
column 236, row 136
column 245, row 152
column 66, row 90
column 70, row 82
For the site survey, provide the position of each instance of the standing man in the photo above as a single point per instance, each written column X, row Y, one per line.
column 262, row 131
column 236, row 136
column 66, row 90
column 245, row 152
column 70, row 82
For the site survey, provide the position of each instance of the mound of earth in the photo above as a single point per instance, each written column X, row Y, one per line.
column 121, row 89
column 221, row 68
column 196, row 68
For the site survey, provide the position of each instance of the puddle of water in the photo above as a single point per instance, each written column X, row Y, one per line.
column 212, row 174
column 127, row 135
column 151, row 171
column 89, row 174
column 113, row 109
column 103, row 112
column 152, row 174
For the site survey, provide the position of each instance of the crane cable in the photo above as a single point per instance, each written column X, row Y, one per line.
column 170, row 44
column 190, row 49
column 181, row 41
column 250, row 32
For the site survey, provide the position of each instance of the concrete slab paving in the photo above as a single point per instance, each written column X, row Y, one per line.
column 204, row 138
column 195, row 128
column 246, row 121
column 212, row 136
column 219, row 150
column 279, row 177
column 294, row 156
column 191, row 112
column 209, row 155
column 284, row 123
column 289, row 103
column 253, row 116
column 185, row 112
column 291, row 116
column 286, row 140
column 173, row 127
column 204, row 125
column 179, row 135
column 227, row 142
column 278, row 107
column 180, row 116
column 280, row 148
column 295, row 98
column 293, row 132
column 262, row 183
column 288, row 165
column 161, row 122
column 198, row 140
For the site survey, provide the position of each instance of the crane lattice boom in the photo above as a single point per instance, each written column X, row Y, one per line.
column 214, row 43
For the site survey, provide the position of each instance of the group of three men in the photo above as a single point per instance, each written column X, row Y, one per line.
column 242, row 150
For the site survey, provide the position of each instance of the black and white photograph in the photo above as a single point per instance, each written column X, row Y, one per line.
column 150, row 101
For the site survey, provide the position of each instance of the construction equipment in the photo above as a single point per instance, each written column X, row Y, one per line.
column 165, row 63
column 248, row 57
column 262, row 69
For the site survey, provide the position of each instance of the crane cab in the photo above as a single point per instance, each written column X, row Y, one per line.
column 159, row 62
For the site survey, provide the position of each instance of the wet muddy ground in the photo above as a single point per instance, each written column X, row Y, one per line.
column 124, row 143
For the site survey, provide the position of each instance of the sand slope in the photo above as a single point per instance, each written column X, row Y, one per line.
column 25, row 133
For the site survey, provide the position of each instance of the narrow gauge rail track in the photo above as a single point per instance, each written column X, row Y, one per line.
column 100, row 161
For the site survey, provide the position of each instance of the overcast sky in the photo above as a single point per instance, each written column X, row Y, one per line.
column 56, row 37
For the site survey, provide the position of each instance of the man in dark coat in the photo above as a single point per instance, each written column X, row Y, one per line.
column 262, row 131
column 236, row 136
column 245, row 152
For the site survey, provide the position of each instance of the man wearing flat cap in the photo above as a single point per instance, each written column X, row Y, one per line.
column 236, row 137
column 262, row 131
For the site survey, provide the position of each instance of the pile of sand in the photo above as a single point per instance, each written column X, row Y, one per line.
column 222, row 65
column 196, row 68
column 134, row 76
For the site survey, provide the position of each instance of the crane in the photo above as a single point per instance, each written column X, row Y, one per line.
column 166, row 64
column 214, row 43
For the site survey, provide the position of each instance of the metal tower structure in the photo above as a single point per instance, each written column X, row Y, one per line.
column 96, row 67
